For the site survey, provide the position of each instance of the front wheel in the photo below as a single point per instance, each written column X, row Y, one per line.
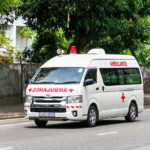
column 92, row 116
column 131, row 116
column 40, row 123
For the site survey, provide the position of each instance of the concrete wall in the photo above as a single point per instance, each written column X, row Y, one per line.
column 10, row 81
column 146, row 79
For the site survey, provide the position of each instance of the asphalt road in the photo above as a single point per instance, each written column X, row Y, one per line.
column 112, row 134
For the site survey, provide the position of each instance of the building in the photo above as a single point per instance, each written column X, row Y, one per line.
column 11, row 30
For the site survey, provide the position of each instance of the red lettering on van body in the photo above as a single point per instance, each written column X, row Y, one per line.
column 40, row 89
column 65, row 90
column 50, row 90
column 60, row 89
column 118, row 63
column 37, row 89
column 56, row 89
column 34, row 90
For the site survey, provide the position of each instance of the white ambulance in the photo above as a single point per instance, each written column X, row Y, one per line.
column 85, row 87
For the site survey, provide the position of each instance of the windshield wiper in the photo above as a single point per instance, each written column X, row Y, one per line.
column 69, row 82
column 43, row 82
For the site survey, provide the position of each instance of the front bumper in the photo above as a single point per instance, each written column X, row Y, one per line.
column 60, row 114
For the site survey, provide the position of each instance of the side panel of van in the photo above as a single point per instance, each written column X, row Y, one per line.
column 121, row 83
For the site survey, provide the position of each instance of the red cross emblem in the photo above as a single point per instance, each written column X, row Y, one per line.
column 30, row 90
column 71, row 90
column 123, row 97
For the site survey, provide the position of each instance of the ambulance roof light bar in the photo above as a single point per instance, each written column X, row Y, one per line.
column 73, row 50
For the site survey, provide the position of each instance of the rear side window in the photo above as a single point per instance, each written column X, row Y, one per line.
column 132, row 76
column 120, row 76
column 109, row 76
column 92, row 74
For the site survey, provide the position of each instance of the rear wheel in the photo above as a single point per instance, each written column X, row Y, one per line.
column 40, row 123
column 92, row 116
column 131, row 116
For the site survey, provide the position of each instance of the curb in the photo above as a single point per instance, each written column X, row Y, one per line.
column 11, row 116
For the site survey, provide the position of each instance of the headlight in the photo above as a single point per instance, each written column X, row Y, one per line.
column 74, row 99
column 29, row 99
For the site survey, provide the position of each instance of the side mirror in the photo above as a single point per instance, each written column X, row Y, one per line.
column 88, row 82
column 27, row 81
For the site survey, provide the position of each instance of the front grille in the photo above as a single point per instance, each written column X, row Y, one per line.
column 48, row 104
column 48, row 110
column 47, row 101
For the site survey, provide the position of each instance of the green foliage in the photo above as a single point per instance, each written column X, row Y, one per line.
column 27, row 32
column 5, row 44
column 8, row 50
column 143, row 55
column 61, row 41
column 7, row 9
column 112, row 25
column 45, row 45
column 7, row 5
column 6, row 60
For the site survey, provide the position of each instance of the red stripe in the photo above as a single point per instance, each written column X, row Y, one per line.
column 80, row 106
column 28, row 106
column 72, row 106
column 67, row 106
column 77, row 106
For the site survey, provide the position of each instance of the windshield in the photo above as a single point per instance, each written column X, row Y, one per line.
column 58, row 75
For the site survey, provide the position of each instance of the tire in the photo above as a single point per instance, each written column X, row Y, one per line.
column 131, row 116
column 40, row 123
column 92, row 117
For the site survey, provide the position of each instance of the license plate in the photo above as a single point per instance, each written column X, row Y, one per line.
column 49, row 115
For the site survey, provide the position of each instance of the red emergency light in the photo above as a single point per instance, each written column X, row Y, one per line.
column 72, row 49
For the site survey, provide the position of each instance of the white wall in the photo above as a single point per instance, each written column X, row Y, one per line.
column 12, row 32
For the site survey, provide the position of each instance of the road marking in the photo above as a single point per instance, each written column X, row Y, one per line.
column 15, row 124
column 6, row 148
column 143, row 148
column 108, row 133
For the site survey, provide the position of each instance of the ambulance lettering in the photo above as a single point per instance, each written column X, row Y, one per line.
column 50, row 90
column 118, row 63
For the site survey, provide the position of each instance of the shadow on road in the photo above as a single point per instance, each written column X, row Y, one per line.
column 78, row 125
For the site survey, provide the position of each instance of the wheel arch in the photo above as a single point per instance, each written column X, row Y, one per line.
column 94, row 103
column 133, row 100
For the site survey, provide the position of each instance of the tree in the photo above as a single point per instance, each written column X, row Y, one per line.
column 110, row 24
column 44, row 46
column 5, row 43
column 143, row 55
column 7, row 8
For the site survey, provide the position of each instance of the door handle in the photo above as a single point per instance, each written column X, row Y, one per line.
column 103, row 88
column 97, row 88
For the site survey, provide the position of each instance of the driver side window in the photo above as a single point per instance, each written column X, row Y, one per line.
column 92, row 74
